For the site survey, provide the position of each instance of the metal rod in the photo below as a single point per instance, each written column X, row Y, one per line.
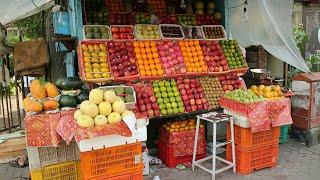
column 17, row 99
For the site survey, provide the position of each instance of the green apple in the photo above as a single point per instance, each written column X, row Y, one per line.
column 170, row 111
column 161, row 83
column 167, row 84
column 155, row 84
column 180, row 104
column 162, row 106
column 168, row 105
column 156, row 90
column 158, row 95
column 173, row 83
column 169, row 89
column 164, row 94
column 181, row 109
column 176, row 93
column 164, row 112
column 174, row 105
column 166, row 100
column 163, row 89
column 160, row 100
column 170, row 94
column 172, row 99
column 178, row 99
column 175, row 110
column 174, row 89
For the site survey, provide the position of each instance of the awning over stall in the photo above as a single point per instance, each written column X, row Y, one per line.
column 269, row 23
column 12, row 10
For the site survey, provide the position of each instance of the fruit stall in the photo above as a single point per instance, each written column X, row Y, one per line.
column 149, row 62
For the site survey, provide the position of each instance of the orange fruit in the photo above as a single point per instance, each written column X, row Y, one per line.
column 192, row 49
column 144, row 56
column 154, row 72
column 139, row 61
column 201, row 58
column 160, row 72
column 183, row 49
column 197, row 64
column 138, row 56
column 200, row 53
column 198, row 48
column 196, row 43
column 147, row 44
column 141, row 44
column 149, row 73
column 204, row 68
column 137, row 50
column 146, row 63
column 189, row 69
column 141, row 67
column 153, row 44
column 152, row 66
column 188, row 49
column 184, row 54
column 199, row 69
column 189, row 54
column 142, row 50
column 187, row 64
column 155, row 55
column 153, row 49
column 201, row 63
column 158, row 66
column 157, row 60
column 135, row 44
column 149, row 55
column 151, row 61
column 143, row 73
column 194, row 69
column 148, row 50
column 181, row 43
column 194, row 54
column 190, row 43
column 147, row 68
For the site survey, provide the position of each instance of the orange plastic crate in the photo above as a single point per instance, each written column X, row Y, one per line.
column 110, row 162
column 247, row 140
column 255, row 159
column 134, row 175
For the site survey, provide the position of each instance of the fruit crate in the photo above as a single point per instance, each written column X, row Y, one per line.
column 82, row 72
column 165, row 153
column 107, row 28
column 246, row 140
column 122, row 26
column 248, row 161
column 186, row 32
column 284, row 134
column 63, row 171
column 174, row 26
column 214, row 26
column 44, row 156
column 140, row 37
column 129, row 105
column 109, row 162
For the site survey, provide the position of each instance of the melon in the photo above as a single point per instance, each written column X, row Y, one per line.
column 119, row 106
column 110, row 96
column 85, row 121
column 127, row 113
column 96, row 96
column 114, row 117
column 100, row 120
column 76, row 114
column 105, row 108
column 89, row 108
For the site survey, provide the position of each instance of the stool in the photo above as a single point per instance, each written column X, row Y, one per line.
column 214, row 118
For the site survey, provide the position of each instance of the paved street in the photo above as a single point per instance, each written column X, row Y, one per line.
column 296, row 162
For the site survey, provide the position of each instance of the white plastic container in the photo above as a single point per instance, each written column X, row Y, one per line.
column 139, row 134
column 239, row 120
column 206, row 38
column 172, row 25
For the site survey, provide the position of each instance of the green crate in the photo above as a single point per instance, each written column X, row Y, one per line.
column 284, row 134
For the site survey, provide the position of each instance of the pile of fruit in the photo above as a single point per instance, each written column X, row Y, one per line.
column 121, row 18
column 171, row 57
column 193, row 56
column 168, row 97
column 168, row 19
column 138, row 6
column 122, row 32
column 192, row 95
column 146, row 101
column 245, row 96
column 142, row 18
column 122, row 61
column 193, row 32
column 171, row 31
column 126, row 93
column 212, row 90
column 233, row 54
column 148, row 58
column 180, row 125
column 213, row 56
column 213, row 32
column 144, row 31
column 187, row 20
column 102, row 108
column 43, row 96
column 159, row 6
column 95, row 60
column 96, row 13
column 96, row 32
column 269, row 92
column 205, row 19
column 115, row 5
column 230, row 81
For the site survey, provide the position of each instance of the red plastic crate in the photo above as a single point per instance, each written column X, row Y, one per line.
column 257, row 158
column 247, row 140
column 165, row 153
column 112, row 162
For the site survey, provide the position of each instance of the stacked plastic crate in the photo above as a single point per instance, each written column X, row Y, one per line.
column 59, row 163
column 254, row 151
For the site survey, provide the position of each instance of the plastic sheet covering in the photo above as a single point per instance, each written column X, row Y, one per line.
column 269, row 24
column 11, row 10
